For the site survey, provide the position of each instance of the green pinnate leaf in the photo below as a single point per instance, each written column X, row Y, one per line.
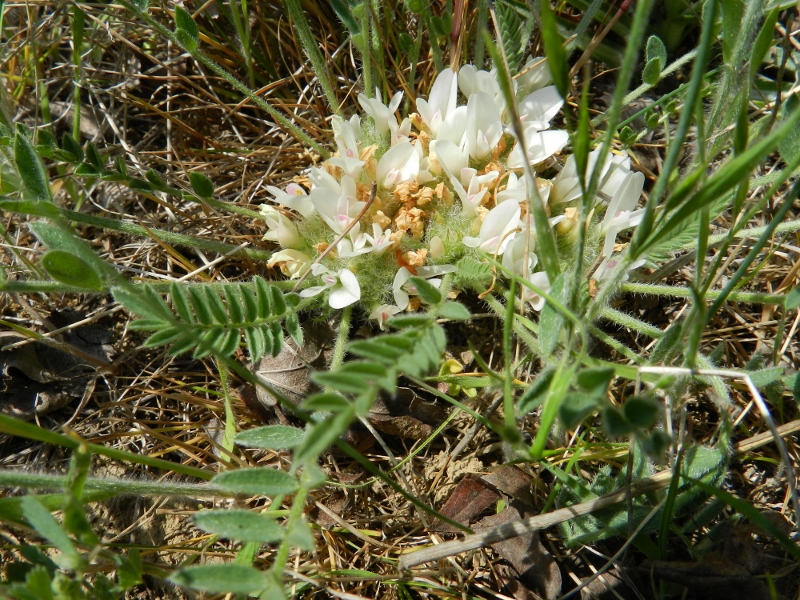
column 595, row 381
column 180, row 301
column 294, row 329
column 271, row 437
column 255, row 342
column 234, row 303
column 240, row 525
column 278, row 301
column 215, row 305
column 264, row 296
column 200, row 306
column 93, row 157
column 256, row 481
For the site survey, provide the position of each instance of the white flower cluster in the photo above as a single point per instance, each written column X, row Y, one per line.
column 392, row 179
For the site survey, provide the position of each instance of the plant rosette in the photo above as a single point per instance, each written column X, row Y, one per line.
column 418, row 196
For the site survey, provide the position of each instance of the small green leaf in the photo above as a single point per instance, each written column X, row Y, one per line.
column 415, row 6
column 155, row 179
column 220, row 579
column 426, row 290
column 72, row 147
column 575, row 408
column 186, row 30
column 656, row 51
column 651, row 72
column 792, row 300
column 300, row 536
column 28, row 207
column 344, row 13
column 325, row 403
column 595, row 381
column 455, row 311
column 240, row 525
column 641, row 411
column 256, row 481
column 201, row 184
column 551, row 321
column 441, row 26
column 45, row 525
column 93, row 156
column 71, row 270
column 614, row 422
column 763, row 377
column 272, row 437
column 341, row 382
column 31, row 170
column 536, row 392
column 406, row 43
column 293, row 327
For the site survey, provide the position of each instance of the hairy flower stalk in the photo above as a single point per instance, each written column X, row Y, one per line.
column 449, row 186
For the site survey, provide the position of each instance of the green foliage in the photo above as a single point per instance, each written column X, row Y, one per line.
column 71, row 270
column 256, row 481
column 239, row 524
column 209, row 321
column 186, row 29
column 236, row 579
column 274, row 437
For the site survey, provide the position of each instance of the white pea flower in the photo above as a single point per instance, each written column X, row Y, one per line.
column 514, row 255
column 347, row 134
column 446, row 156
column 541, row 145
column 541, row 281
column 440, row 102
column 538, row 108
column 379, row 240
column 383, row 313
column 484, row 126
column 281, row 228
column 343, row 286
column 292, row 263
column 294, row 197
column 534, row 75
column 472, row 80
column 496, row 229
column 400, row 164
column 338, row 209
column 383, row 115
